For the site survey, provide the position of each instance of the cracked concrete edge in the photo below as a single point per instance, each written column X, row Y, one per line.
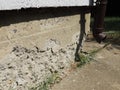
column 56, row 40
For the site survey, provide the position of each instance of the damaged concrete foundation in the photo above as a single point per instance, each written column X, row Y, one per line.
column 35, row 43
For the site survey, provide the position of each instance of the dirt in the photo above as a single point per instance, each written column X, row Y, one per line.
column 103, row 73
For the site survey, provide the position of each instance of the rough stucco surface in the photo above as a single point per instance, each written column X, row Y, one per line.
column 18, row 4
column 33, row 46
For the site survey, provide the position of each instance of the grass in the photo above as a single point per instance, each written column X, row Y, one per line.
column 112, row 30
column 86, row 57
column 110, row 23
column 54, row 78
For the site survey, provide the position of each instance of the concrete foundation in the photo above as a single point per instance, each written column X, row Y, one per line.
column 35, row 43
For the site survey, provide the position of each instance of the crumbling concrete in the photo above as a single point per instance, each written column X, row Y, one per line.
column 35, row 44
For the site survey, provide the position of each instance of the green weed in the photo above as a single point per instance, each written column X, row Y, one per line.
column 87, row 57
column 54, row 78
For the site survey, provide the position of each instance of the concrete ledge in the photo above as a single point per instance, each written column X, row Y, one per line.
column 33, row 45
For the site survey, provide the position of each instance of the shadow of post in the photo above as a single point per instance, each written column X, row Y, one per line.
column 81, row 36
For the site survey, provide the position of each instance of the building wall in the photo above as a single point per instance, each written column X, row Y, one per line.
column 35, row 43
column 18, row 4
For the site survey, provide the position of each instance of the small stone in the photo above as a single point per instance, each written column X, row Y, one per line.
column 15, row 30
column 9, row 81
column 2, row 67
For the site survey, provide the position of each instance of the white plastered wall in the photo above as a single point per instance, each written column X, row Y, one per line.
column 18, row 4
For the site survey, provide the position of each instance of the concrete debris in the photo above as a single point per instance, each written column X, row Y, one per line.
column 24, row 67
